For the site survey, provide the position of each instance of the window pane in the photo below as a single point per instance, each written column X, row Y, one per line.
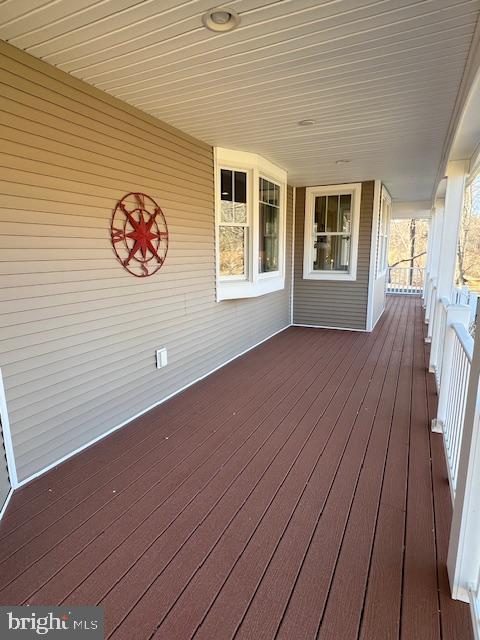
column 240, row 213
column 319, row 218
column 227, row 191
column 331, row 253
column 233, row 196
column 240, row 186
column 269, row 192
column 276, row 195
column 345, row 213
column 332, row 213
column 232, row 251
column 227, row 210
column 268, row 240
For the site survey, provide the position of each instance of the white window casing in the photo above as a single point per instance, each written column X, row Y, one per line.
column 311, row 235
column 384, row 216
column 253, row 283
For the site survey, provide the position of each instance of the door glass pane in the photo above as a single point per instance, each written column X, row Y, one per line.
column 232, row 251
column 319, row 217
column 331, row 253
column 268, row 240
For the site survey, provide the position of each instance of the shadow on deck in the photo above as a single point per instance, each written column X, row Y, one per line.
column 295, row 494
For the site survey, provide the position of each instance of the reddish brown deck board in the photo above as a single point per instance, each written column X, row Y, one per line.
column 131, row 439
column 382, row 605
column 276, row 508
column 420, row 605
column 101, row 550
column 111, row 506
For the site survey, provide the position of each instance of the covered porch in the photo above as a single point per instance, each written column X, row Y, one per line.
column 297, row 493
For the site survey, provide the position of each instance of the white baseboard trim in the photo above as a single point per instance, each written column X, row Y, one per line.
column 317, row 326
column 5, row 504
column 146, row 410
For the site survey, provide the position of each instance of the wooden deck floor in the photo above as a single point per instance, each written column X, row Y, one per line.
column 295, row 494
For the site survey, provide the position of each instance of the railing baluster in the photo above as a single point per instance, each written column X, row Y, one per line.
column 406, row 280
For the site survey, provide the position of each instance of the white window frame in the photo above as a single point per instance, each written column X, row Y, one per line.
column 355, row 190
column 255, row 283
column 383, row 228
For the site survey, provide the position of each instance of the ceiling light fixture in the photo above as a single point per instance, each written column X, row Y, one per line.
column 307, row 123
column 221, row 19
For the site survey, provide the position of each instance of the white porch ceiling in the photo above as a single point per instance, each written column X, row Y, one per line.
column 380, row 77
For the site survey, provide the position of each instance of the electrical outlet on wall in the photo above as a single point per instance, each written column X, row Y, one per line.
column 161, row 357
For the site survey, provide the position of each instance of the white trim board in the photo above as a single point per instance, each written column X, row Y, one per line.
column 292, row 275
column 141, row 413
column 7, row 437
column 5, row 504
column 373, row 255
column 319, row 326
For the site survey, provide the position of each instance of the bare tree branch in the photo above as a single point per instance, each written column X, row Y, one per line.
column 407, row 259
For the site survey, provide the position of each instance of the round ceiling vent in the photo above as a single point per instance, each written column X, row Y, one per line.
column 221, row 19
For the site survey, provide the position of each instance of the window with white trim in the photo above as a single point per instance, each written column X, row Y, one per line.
column 384, row 216
column 250, row 225
column 332, row 216
column 233, row 229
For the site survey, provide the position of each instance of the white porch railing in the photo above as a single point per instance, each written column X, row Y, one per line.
column 405, row 280
column 463, row 295
column 456, row 366
column 453, row 385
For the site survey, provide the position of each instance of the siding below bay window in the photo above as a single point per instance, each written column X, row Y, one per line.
column 78, row 333
column 333, row 303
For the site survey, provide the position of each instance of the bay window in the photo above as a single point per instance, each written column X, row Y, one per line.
column 331, row 232
column 250, row 225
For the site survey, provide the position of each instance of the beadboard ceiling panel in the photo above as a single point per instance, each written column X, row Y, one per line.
column 379, row 77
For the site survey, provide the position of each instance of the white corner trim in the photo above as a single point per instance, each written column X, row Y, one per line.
column 355, row 190
column 373, row 254
column 319, row 326
column 7, row 437
column 292, row 275
column 146, row 410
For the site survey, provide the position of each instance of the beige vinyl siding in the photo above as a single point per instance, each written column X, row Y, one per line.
column 4, row 479
column 333, row 303
column 77, row 332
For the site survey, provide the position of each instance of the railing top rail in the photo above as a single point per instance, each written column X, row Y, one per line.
column 464, row 338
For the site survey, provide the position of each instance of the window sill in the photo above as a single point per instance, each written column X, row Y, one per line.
column 312, row 275
column 234, row 290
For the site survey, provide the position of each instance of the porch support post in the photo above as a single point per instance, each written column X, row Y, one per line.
column 432, row 223
column 432, row 271
column 463, row 561
column 447, row 257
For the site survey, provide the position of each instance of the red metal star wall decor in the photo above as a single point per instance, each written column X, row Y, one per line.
column 139, row 234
